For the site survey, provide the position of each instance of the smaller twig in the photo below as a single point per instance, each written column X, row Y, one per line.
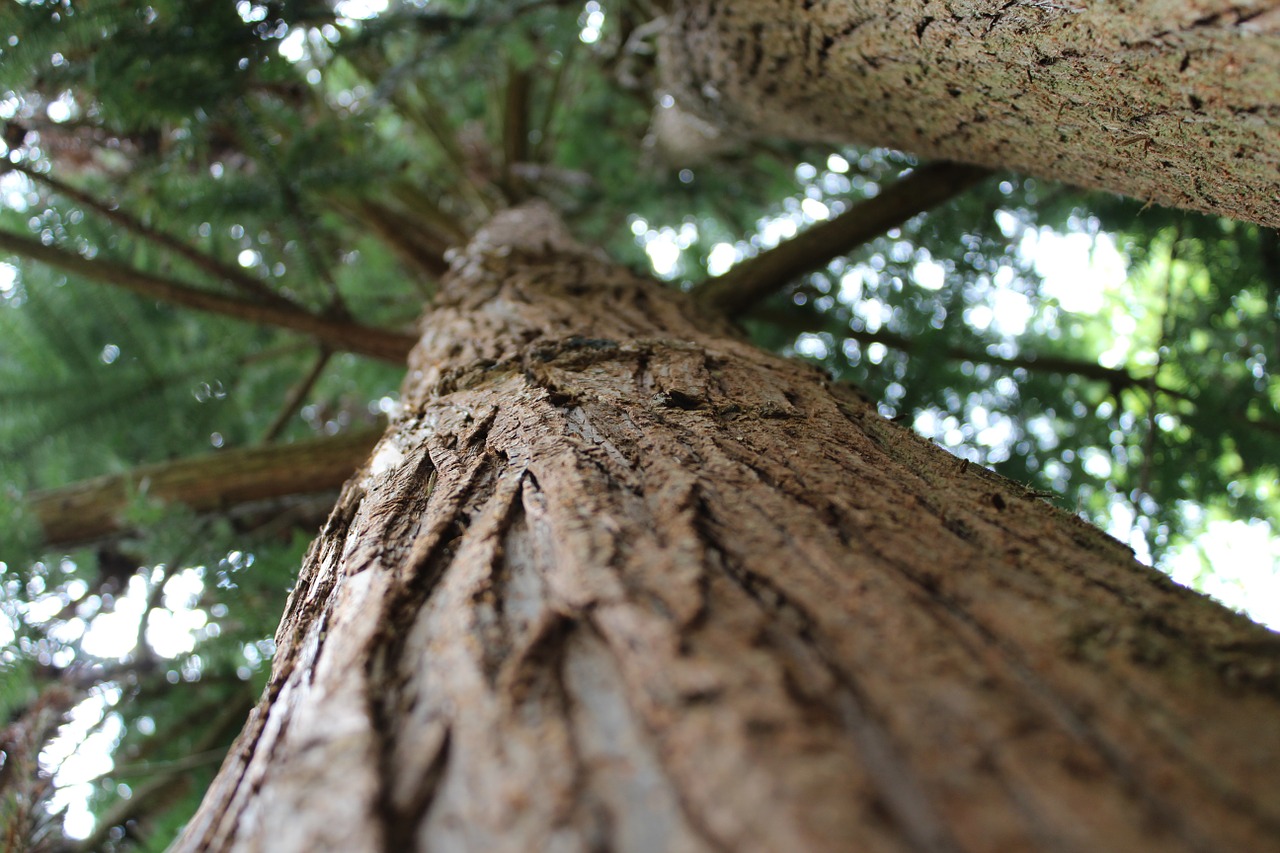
column 543, row 143
column 1117, row 377
column 426, row 111
column 443, row 228
column 340, row 334
column 187, row 762
column 296, row 212
column 418, row 249
column 1269, row 255
column 296, row 397
column 1149, row 445
column 166, row 786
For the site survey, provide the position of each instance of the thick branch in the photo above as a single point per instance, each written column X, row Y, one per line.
column 338, row 334
column 88, row 510
column 756, row 279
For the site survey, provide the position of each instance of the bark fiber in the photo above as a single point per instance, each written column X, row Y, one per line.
column 1172, row 101
column 617, row 580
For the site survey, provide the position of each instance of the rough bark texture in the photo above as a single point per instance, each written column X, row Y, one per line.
column 616, row 580
column 1174, row 101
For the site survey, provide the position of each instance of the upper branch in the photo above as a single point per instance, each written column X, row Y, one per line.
column 756, row 279
column 339, row 334
column 207, row 263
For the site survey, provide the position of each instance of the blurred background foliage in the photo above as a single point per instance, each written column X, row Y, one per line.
column 321, row 157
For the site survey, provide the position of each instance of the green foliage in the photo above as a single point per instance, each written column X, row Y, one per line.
column 328, row 163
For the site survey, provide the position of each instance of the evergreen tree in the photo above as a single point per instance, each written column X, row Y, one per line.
column 223, row 221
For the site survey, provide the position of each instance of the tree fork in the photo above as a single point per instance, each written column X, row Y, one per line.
column 618, row 580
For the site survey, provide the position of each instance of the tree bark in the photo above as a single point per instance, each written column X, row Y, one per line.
column 617, row 580
column 1173, row 101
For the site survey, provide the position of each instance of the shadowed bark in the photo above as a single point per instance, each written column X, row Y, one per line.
column 617, row 580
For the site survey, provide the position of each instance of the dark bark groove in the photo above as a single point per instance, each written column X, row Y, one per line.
column 615, row 580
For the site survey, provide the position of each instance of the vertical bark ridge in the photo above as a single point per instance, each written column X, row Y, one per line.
column 929, row 586
column 899, row 793
column 621, row 766
column 418, row 741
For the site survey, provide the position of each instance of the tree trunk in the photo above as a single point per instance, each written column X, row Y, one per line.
column 1174, row 101
column 617, row 580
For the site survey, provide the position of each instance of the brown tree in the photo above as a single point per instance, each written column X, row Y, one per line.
column 1173, row 101
column 616, row 579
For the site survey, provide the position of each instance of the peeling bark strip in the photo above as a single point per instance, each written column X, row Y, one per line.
column 1174, row 101
column 617, row 580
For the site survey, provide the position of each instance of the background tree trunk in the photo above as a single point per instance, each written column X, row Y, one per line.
column 1175, row 101
column 616, row 579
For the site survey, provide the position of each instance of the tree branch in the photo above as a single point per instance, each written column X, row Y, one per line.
column 418, row 249
column 90, row 509
column 755, row 279
column 343, row 335
column 515, row 129
column 297, row 395
column 1117, row 377
column 200, row 260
